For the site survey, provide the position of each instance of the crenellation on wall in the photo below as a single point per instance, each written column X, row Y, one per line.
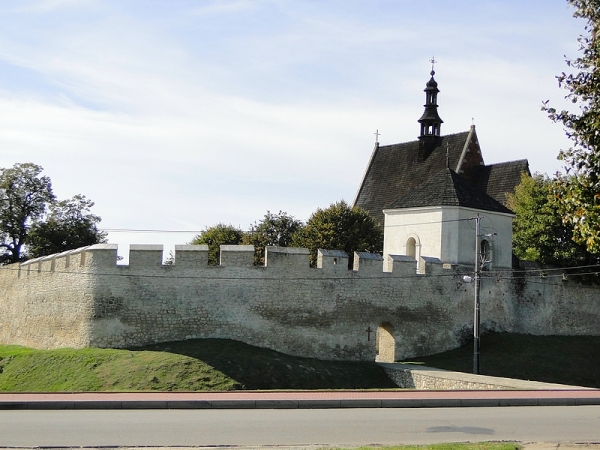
column 332, row 261
column 63, row 261
column 287, row 259
column 77, row 259
column 191, row 256
column 366, row 263
column 329, row 312
column 237, row 256
column 401, row 265
column 59, row 262
column 46, row 264
column 430, row 266
column 101, row 257
column 145, row 255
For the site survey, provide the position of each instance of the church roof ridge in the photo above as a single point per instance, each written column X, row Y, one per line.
column 416, row 141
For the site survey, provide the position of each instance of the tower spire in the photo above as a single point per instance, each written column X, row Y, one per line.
column 431, row 123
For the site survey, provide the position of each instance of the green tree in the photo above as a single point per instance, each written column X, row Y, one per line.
column 340, row 227
column 539, row 233
column 216, row 236
column 68, row 225
column 580, row 192
column 272, row 230
column 24, row 196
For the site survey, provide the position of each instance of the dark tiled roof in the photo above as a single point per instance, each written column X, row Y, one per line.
column 499, row 179
column 447, row 188
column 396, row 169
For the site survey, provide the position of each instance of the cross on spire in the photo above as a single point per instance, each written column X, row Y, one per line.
column 377, row 134
column 432, row 61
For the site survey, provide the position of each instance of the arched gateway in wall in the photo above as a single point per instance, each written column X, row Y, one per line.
column 385, row 343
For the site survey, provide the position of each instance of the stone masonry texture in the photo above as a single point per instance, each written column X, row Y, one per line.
column 83, row 298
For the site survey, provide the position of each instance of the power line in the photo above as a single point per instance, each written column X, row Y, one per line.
column 132, row 230
column 548, row 269
column 142, row 230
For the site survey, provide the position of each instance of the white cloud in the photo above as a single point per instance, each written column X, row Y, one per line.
column 225, row 7
column 46, row 6
column 167, row 119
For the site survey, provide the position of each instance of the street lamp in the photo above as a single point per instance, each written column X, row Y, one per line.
column 477, row 286
column 480, row 261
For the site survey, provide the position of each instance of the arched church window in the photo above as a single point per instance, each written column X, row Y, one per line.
column 411, row 248
column 486, row 255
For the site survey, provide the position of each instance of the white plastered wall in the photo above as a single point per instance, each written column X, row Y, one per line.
column 422, row 224
column 445, row 232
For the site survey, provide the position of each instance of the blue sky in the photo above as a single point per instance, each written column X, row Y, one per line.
column 181, row 114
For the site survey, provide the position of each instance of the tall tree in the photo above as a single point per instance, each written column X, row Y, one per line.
column 217, row 235
column 69, row 225
column 340, row 227
column 539, row 233
column 272, row 230
column 24, row 195
column 580, row 192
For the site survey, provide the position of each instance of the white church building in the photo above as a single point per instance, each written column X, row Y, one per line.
column 429, row 193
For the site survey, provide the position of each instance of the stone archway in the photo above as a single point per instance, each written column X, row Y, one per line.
column 385, row 343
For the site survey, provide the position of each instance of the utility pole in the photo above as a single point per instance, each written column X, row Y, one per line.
column 476, row 312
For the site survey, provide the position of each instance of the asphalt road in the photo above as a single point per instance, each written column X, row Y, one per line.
column 566, row 424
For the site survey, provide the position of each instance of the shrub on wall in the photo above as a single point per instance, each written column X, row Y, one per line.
column 340, row 227
column 217, row 235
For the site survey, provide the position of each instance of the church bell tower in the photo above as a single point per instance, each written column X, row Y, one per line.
column 431, row 123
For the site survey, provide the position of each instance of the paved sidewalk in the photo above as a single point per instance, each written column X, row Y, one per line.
column 525, row 445
column 300, row 399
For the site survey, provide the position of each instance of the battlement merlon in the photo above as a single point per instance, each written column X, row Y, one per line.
column 146, row 256
column 289, row 258
column 368, row 263
column 237, row 255
column 430, row 266
column 65, row 261
column 99, row 256
column 401, row 265
column 191, row 256
column 332, row 260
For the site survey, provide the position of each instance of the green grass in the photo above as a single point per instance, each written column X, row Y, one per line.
column 194, row 365
column 221, row 365
column 27, row 370
column 260, row 368
column 553, row 359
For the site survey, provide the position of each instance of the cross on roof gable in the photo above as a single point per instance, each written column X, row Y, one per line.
column 394, row 170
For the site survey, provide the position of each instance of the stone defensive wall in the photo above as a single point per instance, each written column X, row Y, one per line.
column 381, row 310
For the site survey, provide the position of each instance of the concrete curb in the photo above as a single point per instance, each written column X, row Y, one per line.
column 426, row 402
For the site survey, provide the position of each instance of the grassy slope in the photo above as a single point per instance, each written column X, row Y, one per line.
column 195, row 365
column 553, row 359
column 215, row 364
